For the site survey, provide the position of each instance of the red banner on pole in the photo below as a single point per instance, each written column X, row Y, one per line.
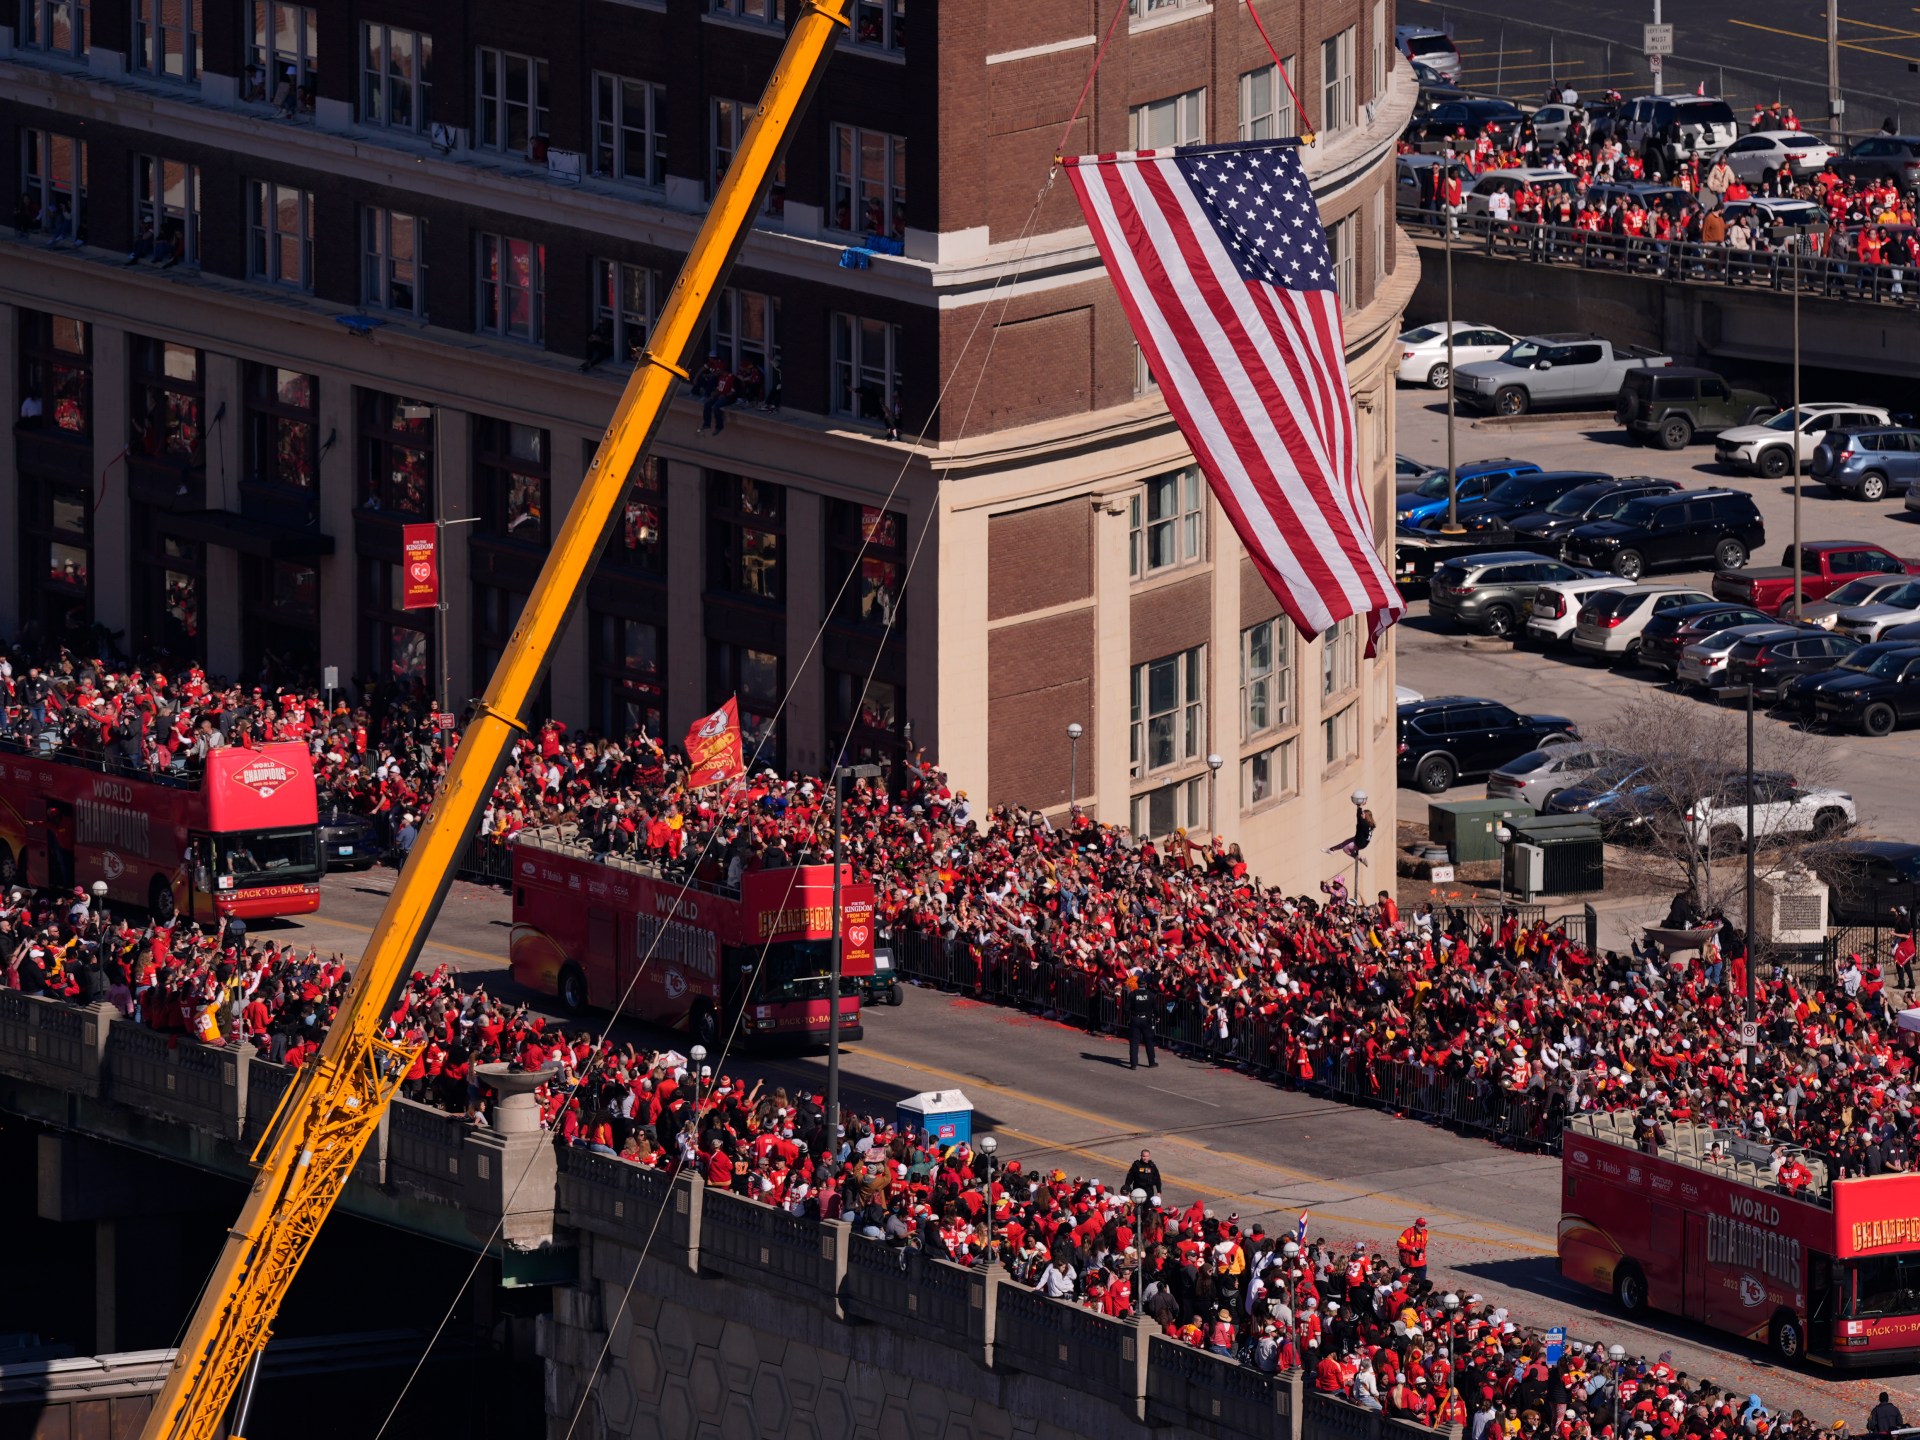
column 419, row 567
column 713, row 747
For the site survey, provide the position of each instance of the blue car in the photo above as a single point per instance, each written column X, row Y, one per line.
column 1429, row 499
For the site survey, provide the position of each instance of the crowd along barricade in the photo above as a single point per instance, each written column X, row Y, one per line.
column 178, row 1078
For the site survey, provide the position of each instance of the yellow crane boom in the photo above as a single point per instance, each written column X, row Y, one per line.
column 335, row 1103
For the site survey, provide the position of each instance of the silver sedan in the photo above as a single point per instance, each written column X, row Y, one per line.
column 1539, row 775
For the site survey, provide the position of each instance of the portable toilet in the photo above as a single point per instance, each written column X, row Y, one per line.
column 946, row 1116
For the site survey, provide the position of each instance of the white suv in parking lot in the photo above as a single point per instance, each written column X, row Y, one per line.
column 1767, row 448
column 1718, row 823
column 1555, row 610
column 1611, row 620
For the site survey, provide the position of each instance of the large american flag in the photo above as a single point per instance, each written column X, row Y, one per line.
column 1219, row 258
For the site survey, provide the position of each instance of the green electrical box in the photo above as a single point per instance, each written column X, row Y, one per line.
column 1466, row 827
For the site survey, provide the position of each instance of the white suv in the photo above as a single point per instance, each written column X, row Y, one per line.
column 1610, row 621
column 1718, row 823
column 1768, row 447
column 1556, row 607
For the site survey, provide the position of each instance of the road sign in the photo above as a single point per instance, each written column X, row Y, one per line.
column 1657, row 39
column 1556, row 1344
column 1749, row 1034
column 1653, row 63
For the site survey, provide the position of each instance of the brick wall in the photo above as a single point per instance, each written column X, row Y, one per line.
column 1039, row 677
column 1171, row 618
column 1039, row 558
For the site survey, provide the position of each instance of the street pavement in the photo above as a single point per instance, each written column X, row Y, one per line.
column 1056, row 1096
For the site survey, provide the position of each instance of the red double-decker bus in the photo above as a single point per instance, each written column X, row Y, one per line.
column 1827, row 1272
column 238, row 835
column 617, row 934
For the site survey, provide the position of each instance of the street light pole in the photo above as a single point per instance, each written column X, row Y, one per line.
column 1505, row 836
column 989, row 1145
column 1453, row 471
column 1659, row 88
column 1139, row 1198
column 1746, row 1052
column 1074, row 732
column 1799, row 603
column 1836, row 107
column 699, row 1057
column 1359, row 799
column 840, row 776
column 1214, row 762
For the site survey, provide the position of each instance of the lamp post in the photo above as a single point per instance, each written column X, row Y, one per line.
column 440, row 524
column 990, row 1147
column 1452, row 526
column 1617, row 1356
column 1214, row 762
column 1139, row 1198
column 699, row 1057
column 1074, row 732
column 841, row 775
column 1746, row 692
column 1798, row 601
column 100, row 901
column 1359, row 799
column 1504, row 834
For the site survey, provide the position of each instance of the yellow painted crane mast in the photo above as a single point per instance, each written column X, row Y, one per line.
column 331, row 1110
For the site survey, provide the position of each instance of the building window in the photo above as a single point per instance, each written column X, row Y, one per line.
column 746, row 326
column 746, row 530
column 629, row 130
column 863, row 718
column 1144, row 381
column 1266, row 677
column 56, row 555
column 627, row 658
column 170, row 586
column 639, row 541
column 396, row 645
column 166, row 38
column 1168, row 711
column 512, row 102
column 1139, row 9
column 280, row 223
column 1266, row 775
column 1166, row 523
column 279, row 617
column 513, row 288
column 396, row 455
column 394, row 268
column 1179, row 806
column 511, row 475
column 496, row 610
column 54, row 184
column 758, row 12
column 168, row 391
column 283, row 67
column 1336, row 81
column 866, row 560
column 1340, row 249
column 282, row 448
column 396, row 77
column 869, row 181
column 1377, row 56
column 729, row 128
column 866, row 368
column 166, row 205
column 1341, row 732
column 56, row 374
column 755, row 678
column 58, row 27
column 1340, row 658
column 622, row 311
column 1266, row 105
column 880, row 25
column 1176, row 120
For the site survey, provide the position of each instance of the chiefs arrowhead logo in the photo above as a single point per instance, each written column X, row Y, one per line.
column 113, row 865
column 1752, row 1292
column 674, row 983
column 714, row 724
column 263, row 776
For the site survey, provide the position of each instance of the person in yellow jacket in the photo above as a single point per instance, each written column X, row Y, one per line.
column 1413, row 1249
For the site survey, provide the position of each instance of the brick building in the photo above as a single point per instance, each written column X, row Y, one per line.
column 285, row 278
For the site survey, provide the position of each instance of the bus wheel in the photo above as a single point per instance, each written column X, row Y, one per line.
column 573, row 990
column 1630, row 1288
column 706, row 1029
column 1789, row 1346
column 160, row 899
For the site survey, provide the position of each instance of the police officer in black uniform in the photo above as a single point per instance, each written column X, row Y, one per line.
column 1139, row 1027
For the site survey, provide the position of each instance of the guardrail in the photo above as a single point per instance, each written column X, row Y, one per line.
column 1784, row 268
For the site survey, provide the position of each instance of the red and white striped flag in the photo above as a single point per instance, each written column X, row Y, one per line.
column 1221, row 263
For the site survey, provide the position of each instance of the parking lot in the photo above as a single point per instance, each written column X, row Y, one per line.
column 1882, row 775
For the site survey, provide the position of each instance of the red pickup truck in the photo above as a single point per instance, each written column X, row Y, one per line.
column 1825, row 565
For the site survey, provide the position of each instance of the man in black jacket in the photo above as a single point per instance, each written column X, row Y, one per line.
column 1139, row 1027
column 1144, row 1175
column 1885, row 1417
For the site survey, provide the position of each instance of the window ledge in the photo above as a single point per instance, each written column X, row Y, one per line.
column 1272, row 802
column 1162, row 18
column 770, row 30
column 874, row 52
column 1167, row 575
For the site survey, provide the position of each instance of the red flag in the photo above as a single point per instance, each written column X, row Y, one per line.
column 713, row 747
column 1220, row 261
column 419, row 567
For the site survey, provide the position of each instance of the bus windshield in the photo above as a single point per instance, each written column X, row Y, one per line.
column 1884, row 1285
column 268, row 857
column 796, row 970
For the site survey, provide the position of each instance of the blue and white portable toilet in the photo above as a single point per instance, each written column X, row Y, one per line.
column 946, row 1116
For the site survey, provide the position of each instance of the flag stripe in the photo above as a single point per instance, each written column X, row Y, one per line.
column 1222, row 268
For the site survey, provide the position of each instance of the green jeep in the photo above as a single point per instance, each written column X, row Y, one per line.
column 1670, row 406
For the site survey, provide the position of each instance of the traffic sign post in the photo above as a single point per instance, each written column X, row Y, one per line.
column 1653, row 64
column 1656, row 40
column 1749, row 1034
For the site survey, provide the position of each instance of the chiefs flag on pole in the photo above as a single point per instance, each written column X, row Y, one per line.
column 713, row 746
column 419, row 567
column 1220, row 261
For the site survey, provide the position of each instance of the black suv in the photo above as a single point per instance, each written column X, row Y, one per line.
column 1671, row 406
column 1457, row 737
column 1513, row 497
column 1440, row 125
column 1717, row 527
column 1600, row 500
column 1871, row 882
column 1881, row 157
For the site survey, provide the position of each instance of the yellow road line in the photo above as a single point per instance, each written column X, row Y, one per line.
column 1868, row 24
column 1822, row 40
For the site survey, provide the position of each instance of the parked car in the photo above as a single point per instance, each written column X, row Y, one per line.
column 1476, row 479
column 1667, row 129
column 1798, row 695
column 1441, row 126
column 1490, row 592
column 1882, row 157
column 1768, row 662
column 1555, row 609
column 1867, row 464
column 1687, row 527
column 1550, row 181
column 1647, row 194
column 1459, row 737
column 1406, row 695
column 1670, row 407
column 1762, row 154
column 1433, row 48
column 1667, row 634
column 1717, row 822
column 351, row 841
column 1626, row 805
column 1409, row 472
column 1767, row 448
column 1868, row 623
column 1546, row 529
column 1703, row 664
column 1866, row 590
column 1776, row 220
column 1611, row 621
column 1879, row 699
column 1539, row 775
column 1423, row 350
column 1870, row 882
column 1552, row 122
column 1825, row 565
column 1542, row 371
column 1514, row 497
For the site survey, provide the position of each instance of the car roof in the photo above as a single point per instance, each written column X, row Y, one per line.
column 1444, row 702
column 1822, row 546
column 1416, row 32
column 1705, row 607
column 1886, row 849
column 1530, row 172
column 1782, row 135
column 1497, row 557
column 1666, row 370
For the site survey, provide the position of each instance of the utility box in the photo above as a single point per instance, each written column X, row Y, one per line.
column 1466, row 827
column 946, row 1116
column 1567, row 856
